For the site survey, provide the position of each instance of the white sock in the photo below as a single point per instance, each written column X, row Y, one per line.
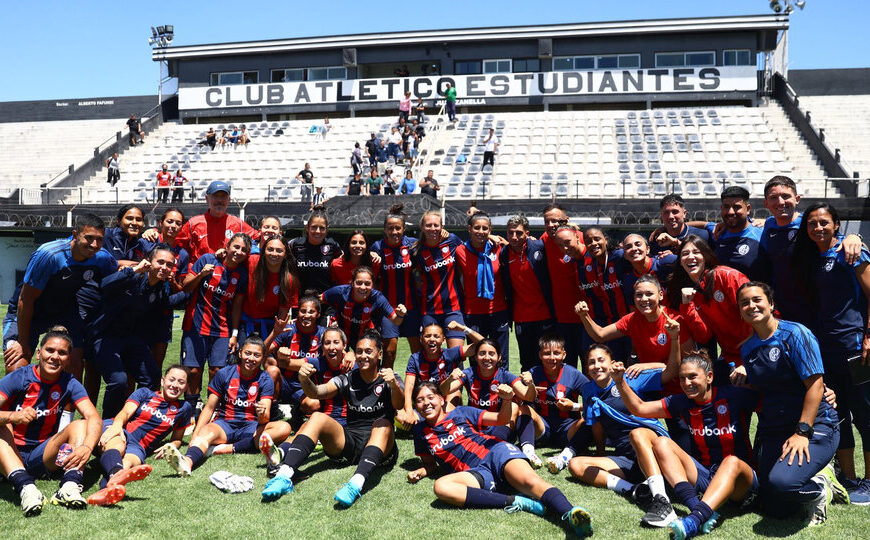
column 65, row 418
column 285, row 470
column 357, row 481
column 657, row 485
column 528, row 449
column 567, row 454
column 617, row 484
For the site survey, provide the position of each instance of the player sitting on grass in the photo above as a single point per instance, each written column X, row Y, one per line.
column 242, row 396
column 372, row 396
column 551, row 414
column 32, row 399
column 484, row 467
column 139, row 428
column 481, row 381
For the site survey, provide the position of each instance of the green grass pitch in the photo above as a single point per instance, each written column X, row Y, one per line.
column 163, row 506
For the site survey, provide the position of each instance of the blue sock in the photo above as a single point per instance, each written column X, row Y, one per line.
column 481, row 498
column 19, row 479
column 500, row 432
column 242, row 446
column 702, row 512
column 195, row 455
column 525, row 430
column 75, row 476
column 687, row 494
column 111, row 462
column 556, row 501
column 299, row 449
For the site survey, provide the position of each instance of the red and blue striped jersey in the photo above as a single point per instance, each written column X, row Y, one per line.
column 660, row 267
column 23, row 388
column 567, row 384
column 301, row 344
column 457, row 440
column 442, row 284
column 210, row 308
column 397, row 273
column 154, row 418
column 238, row 395
column 602, row 287
column 475, row 305
column 435, row 370
column 335, row 406
column 483, row 393
column 341, row 271
column 354, row 317
column 720, row 427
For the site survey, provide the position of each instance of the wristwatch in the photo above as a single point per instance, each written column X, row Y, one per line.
column 804, row 430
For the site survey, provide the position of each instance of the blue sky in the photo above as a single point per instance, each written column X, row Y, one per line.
column 73, row 49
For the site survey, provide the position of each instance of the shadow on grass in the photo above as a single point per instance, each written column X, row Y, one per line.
column 777, row 528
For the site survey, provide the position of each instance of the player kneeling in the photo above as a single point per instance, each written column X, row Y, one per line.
column 485, row 467
column 372, row 396
column 32, row 399
column 242, row 396
column 138, row 429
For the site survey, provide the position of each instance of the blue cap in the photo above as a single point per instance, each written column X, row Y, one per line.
column 217, row 185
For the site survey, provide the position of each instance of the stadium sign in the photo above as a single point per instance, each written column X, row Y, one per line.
column 500, row 85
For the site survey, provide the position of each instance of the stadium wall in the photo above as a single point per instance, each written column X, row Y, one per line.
column 830, row 82
column 96, row 108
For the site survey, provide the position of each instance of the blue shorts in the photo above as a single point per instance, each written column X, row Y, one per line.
column 133, row 446
column 73, row 324
column 555, row 437
column 410, row 326
column 443, row 320
column 629, row 467
column 32, row 460
column 260, row 326
column 490, row 471
column 196, row 350
column 291, row 392
column 705, row 476
column 239, row 430
column 163, row 329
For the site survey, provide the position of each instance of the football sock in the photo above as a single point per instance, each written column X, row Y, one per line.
column 299, row 450
column 75, row 476
column 525, row 430
column 556, row 501
column 686, row 494
column 369, row 459
column 19, row 479
column 617, row 484
column 482, row 498
column 195, row 455
column 111, row 461
column 657, row 485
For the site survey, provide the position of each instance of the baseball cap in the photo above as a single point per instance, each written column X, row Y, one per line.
column 217, row 185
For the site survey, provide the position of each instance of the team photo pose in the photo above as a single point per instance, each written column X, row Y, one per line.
column 239, row 398
column 124, row 241
column 355, row 254
column 359, row 306
column 636, row 251
column 314, row 251
column 218, row 292
column 31, row 400
column 269, row 226
column 138, row 430
column 484, row 467
column 170, row 225
column 397, row 282
column 273, row 287
column 372, row 396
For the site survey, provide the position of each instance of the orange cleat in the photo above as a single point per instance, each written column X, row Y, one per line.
column 108, row 496
column 132, row 474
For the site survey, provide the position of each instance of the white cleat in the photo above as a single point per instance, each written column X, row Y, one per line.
column 176, row 460
column 32, row 500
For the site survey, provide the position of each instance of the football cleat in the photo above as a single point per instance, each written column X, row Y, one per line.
column 108, row 496
column 133, row 474
column 347, row 495
column 32, row 500
column 277, row 488
column 70, row 496
column 526, row 504
column 580, row 521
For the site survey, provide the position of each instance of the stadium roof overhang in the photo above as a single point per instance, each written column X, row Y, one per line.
column 766, row 25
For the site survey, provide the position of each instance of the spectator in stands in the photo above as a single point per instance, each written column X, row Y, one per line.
column 234, row 137
column 307, row 178
column 135, row 127
column 390, row 185
column 490, row 148
column 429, row 186
column 408, row 184
column 406, row 134
column 224, row 138
column 178, row 182
column 318, row 198
column 411, row 147
column 372, row 151
column 356, row 161
column 244, row 137
column 418, row 128
column 405, row 107
column 402, row 71
column 374, row 183
column 420, row 110
column 113, row 171
column 355, row 186
column 325, row 127
column 393, row 141
column 450, row 97
column 164, row 179
column 673, row 211
column 383, row 156
column 210, row 138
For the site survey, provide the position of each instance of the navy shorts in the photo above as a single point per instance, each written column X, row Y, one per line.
column 196, row 350
column 291, row 392
column 32, row 460
column 163, row 329
column 629, row 467
column 133, row 446
column 555, row 437
column 443, row 320
column 490, row 471
column 236, row 431
column 409, row 328
column 260, row 326
column 705, row 476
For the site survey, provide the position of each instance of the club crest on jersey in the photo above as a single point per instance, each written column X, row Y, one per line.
column 445, row 250
column 366, row 309
column 566, row 258
column 234, row 280
column 614, row 391
column 276, row 289
column 560, row 394
column 252, row 391
column 324, row 249
column 588, row 267
column 791, row 234
column 773, row 354
column 719, row 296
column 721, row 409
column 441, row 365
column 492, row 257
column 611, row 270
column 743, row 249
column 55, row 395
column 404, row 252
column 661, row 339
column 378, row 389
column 829, row 265
column 537, row 255
column 172, row 408
column 493, row 387
column 88, row 275
column 313, row 342
column 228, row 234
